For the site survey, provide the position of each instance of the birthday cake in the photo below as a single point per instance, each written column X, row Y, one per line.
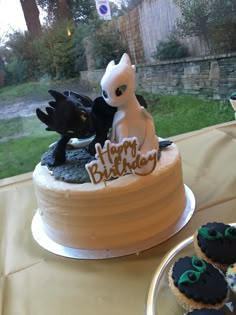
column 134, row 197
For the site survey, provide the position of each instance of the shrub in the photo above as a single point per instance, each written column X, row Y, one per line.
column 22, row 59
column 170, row 49
column 57, row 51
column 16, row 72
column 214, row 21
column 55, row 54
column 107, row 46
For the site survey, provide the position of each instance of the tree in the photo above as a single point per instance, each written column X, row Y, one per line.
column 58, row 51
column 31, row 14
column 66, row 10
column 195, row 18
column 205, row 18
column 115, row 10
column 21, row 58
column 84, row 11
column 57, row 10
column 2, row 68
column 106, row 45
column 128, row 5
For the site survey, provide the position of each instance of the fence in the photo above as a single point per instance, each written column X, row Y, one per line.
column 148, row 24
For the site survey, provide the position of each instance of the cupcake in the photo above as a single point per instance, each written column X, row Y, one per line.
column 230, row 277
column 198, row 284
column 205, row 311
column 216, row 243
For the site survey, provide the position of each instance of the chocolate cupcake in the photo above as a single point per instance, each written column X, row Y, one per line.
column 198, row 284
column 216, row 243
column 205, row 311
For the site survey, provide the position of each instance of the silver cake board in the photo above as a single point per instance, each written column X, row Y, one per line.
column 44, row 241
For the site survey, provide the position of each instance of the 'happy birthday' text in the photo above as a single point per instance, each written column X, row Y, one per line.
column 118, row 159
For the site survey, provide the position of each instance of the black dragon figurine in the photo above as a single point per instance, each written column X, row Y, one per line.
column 74, row 115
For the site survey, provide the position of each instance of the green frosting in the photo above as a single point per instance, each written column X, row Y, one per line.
column 189, row 276
column 199, row 264
column 212, row 235
column 230, row 232
column 192, row 276
column 206, row 233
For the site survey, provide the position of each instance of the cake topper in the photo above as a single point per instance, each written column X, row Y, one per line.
column 134, row 146
column 74, row 115
column 117, row 159
column 116, row 115
column 131, row 119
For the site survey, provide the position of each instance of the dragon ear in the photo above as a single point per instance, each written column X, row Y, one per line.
column 110, row 65
column 125, row 59
column 57, row 95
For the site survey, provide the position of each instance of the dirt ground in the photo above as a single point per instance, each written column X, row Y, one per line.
column 25, row 108
column 21, row 109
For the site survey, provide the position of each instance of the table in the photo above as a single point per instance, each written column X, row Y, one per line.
column 35, row 282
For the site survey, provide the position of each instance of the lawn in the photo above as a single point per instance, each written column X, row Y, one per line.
column 174, row 115
column 20, row 155
column 24, row 91
column 24, row 139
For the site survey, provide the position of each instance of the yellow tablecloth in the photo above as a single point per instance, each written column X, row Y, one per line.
column 36, row 282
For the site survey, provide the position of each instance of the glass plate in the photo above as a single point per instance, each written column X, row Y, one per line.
column 160, row 300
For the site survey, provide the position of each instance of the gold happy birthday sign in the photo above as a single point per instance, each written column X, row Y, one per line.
column 118, row 159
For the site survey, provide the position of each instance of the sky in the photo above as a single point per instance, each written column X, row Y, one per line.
column 11, row 16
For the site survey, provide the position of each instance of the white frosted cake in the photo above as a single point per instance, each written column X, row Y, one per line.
column 130, row 211
column 141, row 207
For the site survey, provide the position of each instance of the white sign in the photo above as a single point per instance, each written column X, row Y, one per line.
column 118, row 159
column 103, row 9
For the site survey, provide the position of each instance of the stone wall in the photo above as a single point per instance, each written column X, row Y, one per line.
column 91, row 78
column 208, row 77
column 211, row 77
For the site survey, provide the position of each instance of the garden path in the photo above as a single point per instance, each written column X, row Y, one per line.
column 26, row 108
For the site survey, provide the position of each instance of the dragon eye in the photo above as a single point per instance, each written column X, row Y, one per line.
column 199, row 264
column 83, row 116
column 192, row 276
column 209, row 233
column 104, row 93
column 120, row 90
column 189, row 276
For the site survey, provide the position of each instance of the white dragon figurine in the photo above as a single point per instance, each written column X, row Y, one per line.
column 131, row 119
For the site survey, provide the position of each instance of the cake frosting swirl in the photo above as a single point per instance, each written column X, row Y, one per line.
column 128, row 212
